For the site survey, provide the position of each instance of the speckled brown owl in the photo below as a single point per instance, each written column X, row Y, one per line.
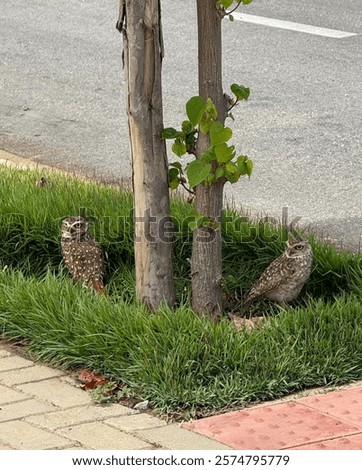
column 285, row 277
column 82, row 254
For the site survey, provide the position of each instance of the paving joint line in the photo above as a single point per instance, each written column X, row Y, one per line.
column 14, row 402
column 131, row 432
column 16, row 368
column 331, row 415
column 35, row 381
column 332, row 438
column 23, row 418
column 78, row 423
column 53, row 431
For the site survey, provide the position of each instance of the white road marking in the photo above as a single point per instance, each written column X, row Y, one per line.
column 302, row 28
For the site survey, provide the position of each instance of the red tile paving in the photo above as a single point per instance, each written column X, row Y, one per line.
column 326, row 421
column 346, row 404
column 353, row 442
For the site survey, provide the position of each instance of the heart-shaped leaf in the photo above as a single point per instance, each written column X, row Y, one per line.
column 219, row 134
column 224, row 153
column 240, row 91
column 187, row 127
column 169, row 133
column 197, row 171
column 195, row 108
column 179, row 148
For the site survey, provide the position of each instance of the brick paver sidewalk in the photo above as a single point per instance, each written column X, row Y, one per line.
column 44, row 408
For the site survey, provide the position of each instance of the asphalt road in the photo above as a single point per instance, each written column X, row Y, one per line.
column 61, row 98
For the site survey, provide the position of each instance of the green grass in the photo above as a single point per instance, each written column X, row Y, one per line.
column 180, row 362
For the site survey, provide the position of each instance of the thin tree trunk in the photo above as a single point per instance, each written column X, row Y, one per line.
column 140, row 22
column 206, row 262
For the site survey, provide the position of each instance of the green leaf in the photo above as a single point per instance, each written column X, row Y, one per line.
column 210, row 178
column 172, row 173
column 192, row 225
column 241, row 92
column 220, row 172
column 210, row 109
column 249, row 167
column 179, row 148
column 224, row 3
column 231, row 168
column 173, row 178
column 245, row 165
column 177, row 165
column 190, row 140
column 224, row 153
column 169, row 133
column 232, row 172
column 174, row 184
column 205, row 124
column 197, row 172
column 219, row 134
column 241, row 159
column 187, row 127
column 241, row 163
column 208, row 155
column 195, row 108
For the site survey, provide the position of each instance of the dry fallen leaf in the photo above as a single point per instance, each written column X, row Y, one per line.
column 90, row 379
column 249, row 324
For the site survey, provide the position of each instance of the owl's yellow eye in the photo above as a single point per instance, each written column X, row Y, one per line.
column 299, row 247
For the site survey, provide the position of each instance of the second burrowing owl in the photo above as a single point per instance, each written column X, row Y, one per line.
column 82, row 254
column 285, row 277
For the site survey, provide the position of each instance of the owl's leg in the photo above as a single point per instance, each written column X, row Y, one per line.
column 246, row 309
column 98, row 286
column 282, row 304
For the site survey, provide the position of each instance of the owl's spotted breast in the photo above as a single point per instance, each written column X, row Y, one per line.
column 82, row 254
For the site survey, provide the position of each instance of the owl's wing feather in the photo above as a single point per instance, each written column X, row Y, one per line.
column 98, row 256
column 276, row 274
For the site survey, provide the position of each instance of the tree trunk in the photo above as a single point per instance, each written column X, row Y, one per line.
column 206, row 262
column 140, row 22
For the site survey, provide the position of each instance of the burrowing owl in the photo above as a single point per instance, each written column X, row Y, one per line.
column 42, row 182
column 284, row 278
column 82, row 254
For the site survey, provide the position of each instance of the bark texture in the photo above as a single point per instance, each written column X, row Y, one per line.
column 206, row 262
column 140, row 23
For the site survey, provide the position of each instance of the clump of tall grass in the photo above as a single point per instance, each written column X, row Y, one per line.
column 175, row 359
column 179, row 361
column 30, row 218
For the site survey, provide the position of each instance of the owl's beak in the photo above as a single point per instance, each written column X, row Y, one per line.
column 66, row 235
